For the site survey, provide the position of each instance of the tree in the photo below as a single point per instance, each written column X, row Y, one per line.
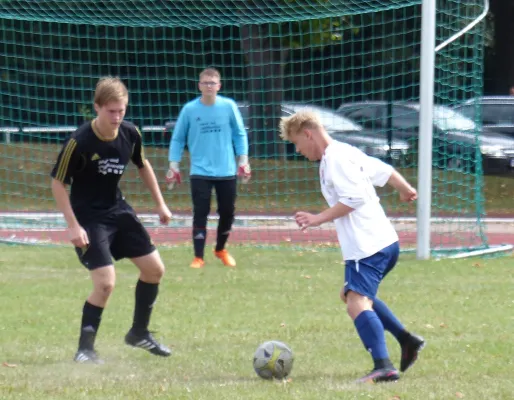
column 267, row 47
column 503, row 14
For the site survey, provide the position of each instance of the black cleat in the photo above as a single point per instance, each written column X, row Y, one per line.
column 146, row 341
column 410, row 349
column 380, row 375
column 87, row 357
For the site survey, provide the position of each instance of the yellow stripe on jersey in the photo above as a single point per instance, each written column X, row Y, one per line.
column 64, row 162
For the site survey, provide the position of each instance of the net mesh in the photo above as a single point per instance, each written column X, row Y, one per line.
column 274, row 56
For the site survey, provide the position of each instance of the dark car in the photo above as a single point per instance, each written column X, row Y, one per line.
column 339, row 128
column 454, row 136
column 495, row 112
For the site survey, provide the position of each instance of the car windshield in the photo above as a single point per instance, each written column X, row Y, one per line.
column 448, row 120
column 331, row 120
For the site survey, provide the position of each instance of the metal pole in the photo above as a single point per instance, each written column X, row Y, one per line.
column 424, row 203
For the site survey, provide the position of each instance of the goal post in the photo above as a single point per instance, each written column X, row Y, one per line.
column 426, row 116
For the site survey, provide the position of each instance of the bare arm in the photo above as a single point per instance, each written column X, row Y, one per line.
column 147, row 175
column 332, row 213
column 63, row 203
column 407, row 192
column 306, row 220
column 77, row 234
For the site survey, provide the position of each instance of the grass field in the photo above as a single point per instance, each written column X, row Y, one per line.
column 215, row 318
column 277, row 186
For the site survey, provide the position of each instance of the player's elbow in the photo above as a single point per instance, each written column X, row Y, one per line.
column 145, row 165
column 58, row 190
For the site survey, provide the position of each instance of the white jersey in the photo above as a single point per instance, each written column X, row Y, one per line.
column 348, row 176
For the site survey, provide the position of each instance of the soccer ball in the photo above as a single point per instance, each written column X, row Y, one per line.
column 273, row 359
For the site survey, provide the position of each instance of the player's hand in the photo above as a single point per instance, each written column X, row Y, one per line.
column 244, row 172
column 78, row 236
column 173, row 176
column 164, row 214
column 306, row 220
column 409, row 194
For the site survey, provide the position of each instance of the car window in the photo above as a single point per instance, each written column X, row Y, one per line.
column 498, row 114
column 363, row 114
column 468, row 111
column 367, row 115
column 492, row 114
column 404, row 118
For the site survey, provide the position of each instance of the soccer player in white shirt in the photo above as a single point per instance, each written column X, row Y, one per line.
column 368, row 240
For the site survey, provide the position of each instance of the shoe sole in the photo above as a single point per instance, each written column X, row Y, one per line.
column 385, row 379
column 150, row 351
column 197, row 265
column 86, row 360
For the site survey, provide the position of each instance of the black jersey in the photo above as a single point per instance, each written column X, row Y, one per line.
column 93, row 166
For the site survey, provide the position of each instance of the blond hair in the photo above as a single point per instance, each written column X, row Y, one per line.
column 293, row 125
column 110, row 89
column 213, row 72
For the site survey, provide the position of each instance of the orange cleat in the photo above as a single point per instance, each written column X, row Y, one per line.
column 197, row 263
column 225, row 258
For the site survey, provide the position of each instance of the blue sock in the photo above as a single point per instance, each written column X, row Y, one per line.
column 388, row 319
column 371, row 332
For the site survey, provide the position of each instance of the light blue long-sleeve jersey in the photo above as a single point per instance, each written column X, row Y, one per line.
column 215, row 136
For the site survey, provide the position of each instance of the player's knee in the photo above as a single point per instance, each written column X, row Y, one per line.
column 104, row 289
column 153, row 272
column 357, row 303
column 158, row 271
column 227, row 218
column 200, row 218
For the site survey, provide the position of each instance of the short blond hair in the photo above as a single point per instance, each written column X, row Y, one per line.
column 293, row 125
column 213, row 72
column 108, row 89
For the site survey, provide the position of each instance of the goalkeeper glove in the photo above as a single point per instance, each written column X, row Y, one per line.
column 173, row 176
column 244, row 171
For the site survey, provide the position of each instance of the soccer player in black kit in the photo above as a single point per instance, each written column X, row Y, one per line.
column 101, row 224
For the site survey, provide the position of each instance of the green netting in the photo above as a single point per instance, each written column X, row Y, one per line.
column 188, row 13
column 270, row 53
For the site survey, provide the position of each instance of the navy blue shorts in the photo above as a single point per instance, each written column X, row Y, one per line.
column 119, row 235
column 364, row 276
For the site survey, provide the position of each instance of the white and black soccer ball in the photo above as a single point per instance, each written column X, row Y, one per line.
column 273, row 359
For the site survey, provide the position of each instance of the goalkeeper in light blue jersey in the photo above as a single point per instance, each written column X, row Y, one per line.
column 213, row 129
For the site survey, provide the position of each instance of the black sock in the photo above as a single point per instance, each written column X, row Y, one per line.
column 383, row 363
column 221, row 239
column 403, row 337
column 146, row 293
column 199, row 236
column 91, row 317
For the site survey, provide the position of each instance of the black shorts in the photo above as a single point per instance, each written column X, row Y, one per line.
column 118, row 235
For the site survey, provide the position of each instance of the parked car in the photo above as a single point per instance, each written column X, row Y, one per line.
column 338, row 127
column 454, row 136
column 495, row 112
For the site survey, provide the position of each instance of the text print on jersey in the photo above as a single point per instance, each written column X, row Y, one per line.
column 110, row 166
